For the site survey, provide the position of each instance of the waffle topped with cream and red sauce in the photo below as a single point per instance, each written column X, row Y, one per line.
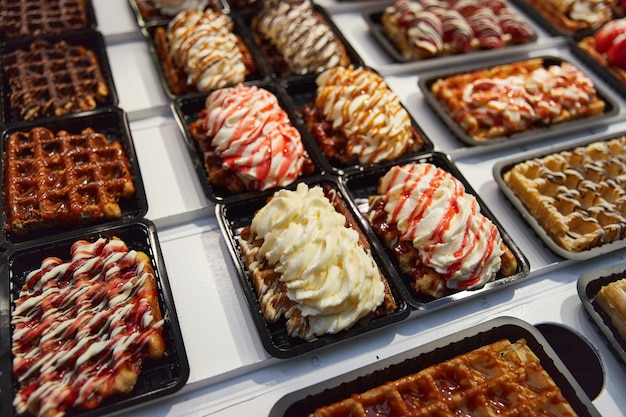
column 82, row 329
column 425, row 28
column 248, row 141
column 436, row 231
column 512, row 98
column 355, row 117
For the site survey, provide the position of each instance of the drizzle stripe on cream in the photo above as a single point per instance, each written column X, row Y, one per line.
column 78, row 324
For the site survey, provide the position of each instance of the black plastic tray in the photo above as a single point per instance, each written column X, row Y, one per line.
column 302, row 91
column 353, row 56
column 520, row 138
column 305, row 401
column 186, row 109
column 159, row 18
column 114, row 124
column 48, row 30
column 159, row 377
column 505, row 165
column 361, row 185
column 90, row 39
column 374, row 22
column 232, row 218
column 588, row 286
column 261, row 73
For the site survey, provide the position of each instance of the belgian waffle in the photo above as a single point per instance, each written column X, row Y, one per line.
column 83, row 328
column 31, row 18
column 571, row 16
column 63, row 179
column 53, row 79
column 577, row 196
column 612, row 299
column 500, row 379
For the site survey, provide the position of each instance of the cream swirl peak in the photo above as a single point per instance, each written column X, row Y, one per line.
column 359, row 103
column 173, row 7
column 307, row 44
column 204, row 46
column 254, row 137
column 431, row 209
column 82, row 328
column 329, row 276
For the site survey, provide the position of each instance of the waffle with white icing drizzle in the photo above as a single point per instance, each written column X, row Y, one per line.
column 296, row 39
column 578, row 196
column 60, row 179
column 571, row 16
column 83, row 328
column 499, row 379
column 311, row 266
column 517, row 97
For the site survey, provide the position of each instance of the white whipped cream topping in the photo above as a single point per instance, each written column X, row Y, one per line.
column 327, row 273
column 431, row 209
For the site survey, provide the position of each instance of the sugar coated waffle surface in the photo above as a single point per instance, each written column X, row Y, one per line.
column 577, row 196
column 61, row 178
column 53, row 79
column 26, row 18
column 500, row 379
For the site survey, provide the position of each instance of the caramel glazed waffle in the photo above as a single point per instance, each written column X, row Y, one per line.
column 53, row 79
column 500, row 379
column 52, row 179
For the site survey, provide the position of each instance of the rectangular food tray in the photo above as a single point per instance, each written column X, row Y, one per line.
column 588, row 286
column 186, row 110
column 374, row 22
column 521, row 138
column 303, row 402
column 235, row 216
column 502, row 166
column 158, row 377
column 360, row 186
column 89, row 39
column 113, row 123
column 302, row 92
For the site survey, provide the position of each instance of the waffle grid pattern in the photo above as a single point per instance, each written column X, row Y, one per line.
column 26, row 18
column 577, row 196
column 54, row 79
column 500, row 379
column 61, row 178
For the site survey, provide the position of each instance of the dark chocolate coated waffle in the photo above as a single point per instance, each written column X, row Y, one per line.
column 62, row 178
column 30, row 18
column 53, row 79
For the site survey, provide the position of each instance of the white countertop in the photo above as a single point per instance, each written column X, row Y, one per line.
column 231, row 374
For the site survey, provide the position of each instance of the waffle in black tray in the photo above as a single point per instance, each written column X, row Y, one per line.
column 426, row 286
column 456, row 381
column 190, row 113
column 483, row 31
column 297, row 48
column 489, row 106
column 149, row 12
column 30, row 18
column 236, row 217
column 573, row 196
column 379, row 128
column 588, row 286
column 234, row 58
column 55, row 75
column 159, row 376
column 67, row 173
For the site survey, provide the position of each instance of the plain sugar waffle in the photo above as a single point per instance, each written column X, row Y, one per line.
column 500, row 379
column 59, row 179
column 577, row 196
column 53, row 79
column 29, row 18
